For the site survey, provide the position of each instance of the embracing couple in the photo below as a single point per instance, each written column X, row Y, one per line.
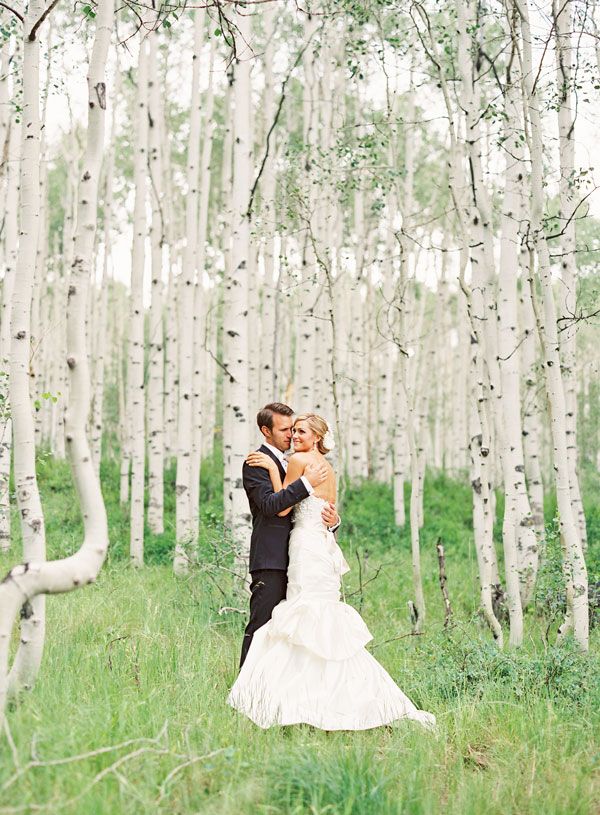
column 303, row 657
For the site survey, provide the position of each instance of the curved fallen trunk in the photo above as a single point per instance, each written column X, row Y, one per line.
column 28, row 581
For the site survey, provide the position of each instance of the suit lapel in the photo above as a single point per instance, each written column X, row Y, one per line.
column 266, row 450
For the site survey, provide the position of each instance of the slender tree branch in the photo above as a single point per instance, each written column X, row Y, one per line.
column 34, row 30
column 299, row 56
column 13, row 11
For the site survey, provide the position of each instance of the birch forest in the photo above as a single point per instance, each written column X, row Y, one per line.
column 382, row 212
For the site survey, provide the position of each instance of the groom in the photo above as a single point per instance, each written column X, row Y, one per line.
column 270, row 533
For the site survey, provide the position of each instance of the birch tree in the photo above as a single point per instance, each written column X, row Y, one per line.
column 11, row 149
column 156, row 390
column 33, row 619
column 569, row 210
column 135, row 369
column 575, row 569
column 25, row 583
column 235, row 313
column 185, row 532
column 199, row 325
column 480, row 433
column 517, row 520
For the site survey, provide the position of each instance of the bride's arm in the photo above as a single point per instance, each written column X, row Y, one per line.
column 295, row 470
column 266, row 462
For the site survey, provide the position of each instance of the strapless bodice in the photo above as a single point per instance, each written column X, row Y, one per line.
column 307, row 514
column 316, row 561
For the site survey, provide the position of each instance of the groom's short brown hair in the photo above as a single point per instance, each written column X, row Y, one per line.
column 264, row 417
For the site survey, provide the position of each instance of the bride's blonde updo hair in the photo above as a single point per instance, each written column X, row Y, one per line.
column 319, row 427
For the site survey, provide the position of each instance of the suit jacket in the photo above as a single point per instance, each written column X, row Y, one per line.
column 270, row 533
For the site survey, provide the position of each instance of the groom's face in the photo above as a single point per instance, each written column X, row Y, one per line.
column 281, row 434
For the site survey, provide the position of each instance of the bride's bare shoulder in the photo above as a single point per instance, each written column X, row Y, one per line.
column 300, row 458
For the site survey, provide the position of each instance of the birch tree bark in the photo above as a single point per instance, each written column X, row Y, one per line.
column 226, row 242
column 11, row 149
column 235, row 316
column 480, row 433
column 518, row 521
column 569, row 205
column 575, row 568
column 198, row 376
column 156, row 389
column 269, row 326
column 171, row 359
column 101, row 333
column 24, row 584
column 532, row 436
column 304, row 396
column 185, row 532
column 405, row 327
column 135, row 377
column 482, row 297
column 124, row 402
column 33, row 619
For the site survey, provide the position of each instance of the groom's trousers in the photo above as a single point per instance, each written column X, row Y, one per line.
column 268, row 588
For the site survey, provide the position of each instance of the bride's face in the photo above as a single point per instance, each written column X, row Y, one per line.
column 303, row 438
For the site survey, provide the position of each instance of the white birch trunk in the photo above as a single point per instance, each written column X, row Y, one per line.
column 269, row 327
column 306, row 346
column 576, row 572
column 135, row 376
column 156, row 366
column 569, row 202
column 171, row 359
column 532, row 436
column 124, row 400
column 475, row 225
column 198, row 376
column 102, row 330
column 518, row 521
column 415, row 469
column 226, row 240
column 235, row 317
column 31, row 642
column 480, row 441
column 11, row 243
column 24, row 584
column 185, row 532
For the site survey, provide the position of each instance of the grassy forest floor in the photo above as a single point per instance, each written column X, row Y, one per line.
column 137, row 668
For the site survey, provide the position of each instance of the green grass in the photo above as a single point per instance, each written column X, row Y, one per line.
column 142, row 656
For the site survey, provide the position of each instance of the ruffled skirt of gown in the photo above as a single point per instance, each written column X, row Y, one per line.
column 309, row 664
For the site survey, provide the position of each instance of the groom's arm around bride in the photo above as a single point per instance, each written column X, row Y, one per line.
column 259, row 489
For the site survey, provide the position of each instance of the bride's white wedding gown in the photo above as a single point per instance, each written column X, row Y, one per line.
column 309, row 663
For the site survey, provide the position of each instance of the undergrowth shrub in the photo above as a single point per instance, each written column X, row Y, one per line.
column 463, row 666
column 549, row 596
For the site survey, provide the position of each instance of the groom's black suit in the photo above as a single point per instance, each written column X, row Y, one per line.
column 269, row 542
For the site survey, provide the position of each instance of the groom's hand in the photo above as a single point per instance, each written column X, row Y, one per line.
column 316, row 473
column 329, row 515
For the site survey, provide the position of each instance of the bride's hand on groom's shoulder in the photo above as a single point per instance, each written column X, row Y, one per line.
column 255, row 459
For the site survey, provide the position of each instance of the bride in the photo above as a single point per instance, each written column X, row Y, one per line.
column 309, row 663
